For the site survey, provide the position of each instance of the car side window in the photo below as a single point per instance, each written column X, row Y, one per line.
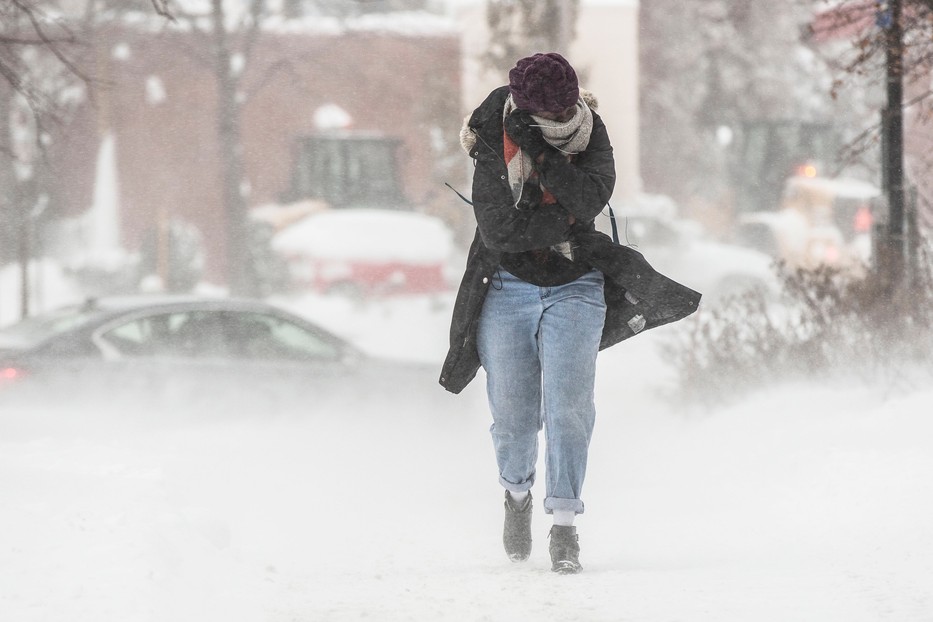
column 190, row 334
column 130, row 339
column 263, row 336
column 197, row 334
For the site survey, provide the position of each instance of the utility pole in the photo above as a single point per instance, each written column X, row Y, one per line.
column 892, row 258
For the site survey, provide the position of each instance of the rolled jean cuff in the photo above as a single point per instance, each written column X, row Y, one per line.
column 522, row 487
column 563, row 505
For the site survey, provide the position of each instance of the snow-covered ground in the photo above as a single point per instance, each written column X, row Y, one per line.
column 803, row 503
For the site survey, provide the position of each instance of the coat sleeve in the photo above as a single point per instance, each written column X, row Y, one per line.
column 503, row 227
column 584, row 186
column 509, row 230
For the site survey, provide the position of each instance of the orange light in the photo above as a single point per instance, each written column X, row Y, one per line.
column 809, row 171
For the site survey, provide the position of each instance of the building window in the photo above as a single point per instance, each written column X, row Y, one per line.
column 347, row 171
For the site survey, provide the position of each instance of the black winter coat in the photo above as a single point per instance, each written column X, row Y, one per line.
column 582, row 189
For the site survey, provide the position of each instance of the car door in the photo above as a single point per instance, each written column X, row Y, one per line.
column 288, row 362
column 222, row 359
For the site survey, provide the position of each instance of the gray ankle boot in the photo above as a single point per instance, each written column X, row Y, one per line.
column 517, row 533
column 565, row 550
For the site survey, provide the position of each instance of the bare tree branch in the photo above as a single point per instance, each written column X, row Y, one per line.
column 161, row 7
column 32, row 14
column 10, row 40
column 286, row 66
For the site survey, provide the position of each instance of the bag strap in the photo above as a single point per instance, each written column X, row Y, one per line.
column 612, row 221
column 465, row 200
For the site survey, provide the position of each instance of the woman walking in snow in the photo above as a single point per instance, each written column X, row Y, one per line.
column 543, row 290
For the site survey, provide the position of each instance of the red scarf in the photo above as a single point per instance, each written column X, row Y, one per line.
column 511, row 151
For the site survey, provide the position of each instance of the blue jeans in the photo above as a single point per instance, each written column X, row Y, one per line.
column 538, row 346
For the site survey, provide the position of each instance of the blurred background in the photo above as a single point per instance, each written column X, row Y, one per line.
column 291, row 149
column 162, row 146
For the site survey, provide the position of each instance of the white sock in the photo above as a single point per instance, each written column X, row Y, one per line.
column 564, row 517
column 518, row 497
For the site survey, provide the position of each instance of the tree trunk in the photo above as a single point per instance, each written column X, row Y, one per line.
column 7, row 181
column 239, row 274
column 24, row 233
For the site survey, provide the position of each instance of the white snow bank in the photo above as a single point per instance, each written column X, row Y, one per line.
column 368, row 235
column 835, row 187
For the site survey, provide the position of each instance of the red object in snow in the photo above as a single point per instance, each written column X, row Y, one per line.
column 375, row 278
column 863, row 220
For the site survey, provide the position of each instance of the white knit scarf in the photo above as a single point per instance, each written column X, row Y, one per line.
column 570, row 137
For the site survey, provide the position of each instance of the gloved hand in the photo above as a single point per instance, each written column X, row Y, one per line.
column 531, row 196
column 524, row 131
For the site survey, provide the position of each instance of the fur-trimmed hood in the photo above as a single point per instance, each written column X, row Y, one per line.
column 468, row 137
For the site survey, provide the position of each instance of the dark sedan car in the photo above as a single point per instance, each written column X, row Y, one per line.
column 208, row 355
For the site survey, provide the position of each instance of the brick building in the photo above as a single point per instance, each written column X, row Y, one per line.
column 399, row 89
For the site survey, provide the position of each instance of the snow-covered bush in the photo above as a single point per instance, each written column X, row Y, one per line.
column 830, row 325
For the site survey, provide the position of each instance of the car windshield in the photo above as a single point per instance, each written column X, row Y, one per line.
column 32, row 331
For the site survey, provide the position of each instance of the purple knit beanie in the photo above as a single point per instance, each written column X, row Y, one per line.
column 544, row 83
